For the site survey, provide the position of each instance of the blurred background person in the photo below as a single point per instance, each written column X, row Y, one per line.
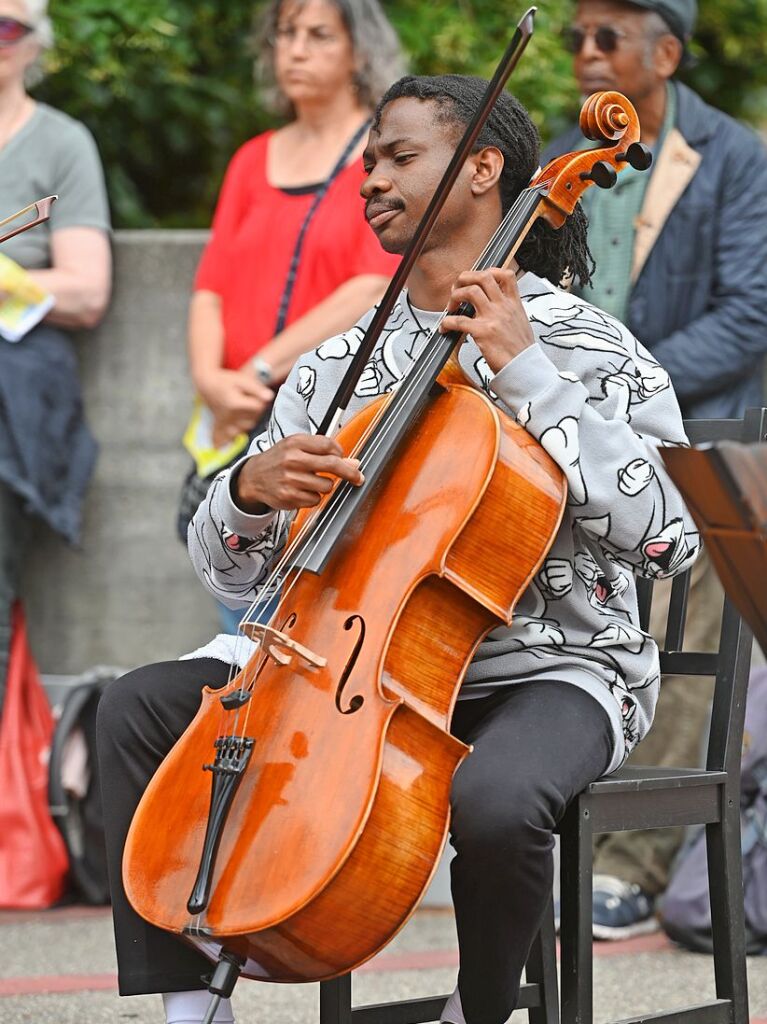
column 46, row 450
column 680, row 258
column 291, row 260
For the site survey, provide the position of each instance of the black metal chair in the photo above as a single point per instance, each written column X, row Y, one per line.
column 539, row 995
column 645, row 797
column 636, row 798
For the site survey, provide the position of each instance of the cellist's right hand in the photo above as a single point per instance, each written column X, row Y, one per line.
column 294, row 473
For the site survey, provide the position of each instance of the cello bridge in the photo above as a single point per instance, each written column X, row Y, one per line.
column 281, row 648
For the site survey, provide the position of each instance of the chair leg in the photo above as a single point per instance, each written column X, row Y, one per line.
column 725, row 883
column 541, row 970
column 336, row 1000
column 575, row 936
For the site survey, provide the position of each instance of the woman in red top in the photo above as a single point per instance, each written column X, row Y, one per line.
column 329, row 61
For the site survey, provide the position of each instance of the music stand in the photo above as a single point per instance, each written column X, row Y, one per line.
column 725, row 487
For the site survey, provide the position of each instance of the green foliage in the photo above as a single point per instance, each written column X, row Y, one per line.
column 166, row 86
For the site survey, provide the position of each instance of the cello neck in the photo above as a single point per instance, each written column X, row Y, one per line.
column 411, row 397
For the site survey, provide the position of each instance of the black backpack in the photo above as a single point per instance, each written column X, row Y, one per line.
column 74, row 792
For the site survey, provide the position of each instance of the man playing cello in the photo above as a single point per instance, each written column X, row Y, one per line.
column 548, row 704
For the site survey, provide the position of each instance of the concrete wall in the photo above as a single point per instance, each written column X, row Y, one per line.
column 129, row 596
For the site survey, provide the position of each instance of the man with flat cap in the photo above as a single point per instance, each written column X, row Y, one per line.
column 681, row 258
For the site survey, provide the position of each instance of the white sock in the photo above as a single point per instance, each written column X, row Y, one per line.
column 190, row 1008
column 453, row 1012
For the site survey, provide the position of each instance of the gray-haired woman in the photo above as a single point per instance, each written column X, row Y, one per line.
column 291, row 260
column 324, row 63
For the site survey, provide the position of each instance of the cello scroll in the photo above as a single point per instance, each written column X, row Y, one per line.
column 608, row 118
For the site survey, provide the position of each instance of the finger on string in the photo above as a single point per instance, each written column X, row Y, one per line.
column 483, row 279
column 319, row 444
column 309, row 483
column 507, row 281
column 459, row 324
column 307, row 499
column 335, row 466
column 472, row 294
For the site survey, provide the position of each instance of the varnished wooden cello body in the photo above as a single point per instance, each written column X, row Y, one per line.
column 330, row 753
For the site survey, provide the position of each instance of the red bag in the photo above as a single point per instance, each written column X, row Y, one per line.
column 33, row 858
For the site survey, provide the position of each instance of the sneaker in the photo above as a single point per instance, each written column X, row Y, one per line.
column 621, row 909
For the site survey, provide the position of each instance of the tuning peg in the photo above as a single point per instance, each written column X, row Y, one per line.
column 638, row 155
column 602, row 174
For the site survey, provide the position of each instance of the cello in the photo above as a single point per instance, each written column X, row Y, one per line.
column 311, row 840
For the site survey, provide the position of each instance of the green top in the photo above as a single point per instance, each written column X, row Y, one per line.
column 612, row 217
column 51, row 154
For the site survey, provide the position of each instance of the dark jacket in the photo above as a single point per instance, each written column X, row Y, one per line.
column 47, row 453
column 699, row 299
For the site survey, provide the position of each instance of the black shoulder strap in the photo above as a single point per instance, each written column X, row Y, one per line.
column 290, row 280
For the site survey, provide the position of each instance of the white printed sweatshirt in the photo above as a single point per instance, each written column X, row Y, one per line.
column 601, row 406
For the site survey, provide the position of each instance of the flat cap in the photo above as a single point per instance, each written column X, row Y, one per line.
column 679, row 15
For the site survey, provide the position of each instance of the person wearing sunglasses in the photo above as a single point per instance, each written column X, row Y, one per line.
column 680, row 259
column 46, row 451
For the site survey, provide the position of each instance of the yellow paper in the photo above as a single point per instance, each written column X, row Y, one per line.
column 24, row 302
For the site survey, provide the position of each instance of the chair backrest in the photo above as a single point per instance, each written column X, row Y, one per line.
column 730, row 664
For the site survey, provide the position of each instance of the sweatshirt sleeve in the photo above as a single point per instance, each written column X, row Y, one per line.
column 235, row 553
column 601, row 406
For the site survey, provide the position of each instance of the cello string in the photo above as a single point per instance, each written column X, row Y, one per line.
column 270, row 585
column 514, row 220
column 498, row 242
column 502, row 235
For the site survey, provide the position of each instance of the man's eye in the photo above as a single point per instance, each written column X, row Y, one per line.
column 403, row 158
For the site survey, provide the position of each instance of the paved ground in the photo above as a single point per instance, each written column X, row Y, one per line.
column 57, row 967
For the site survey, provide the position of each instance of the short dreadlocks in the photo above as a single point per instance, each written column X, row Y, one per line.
column 554, row 254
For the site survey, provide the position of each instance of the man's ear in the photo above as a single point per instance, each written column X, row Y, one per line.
column 668, row 54
column 488, row 165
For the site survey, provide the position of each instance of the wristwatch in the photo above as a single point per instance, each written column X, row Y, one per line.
column 262, row 370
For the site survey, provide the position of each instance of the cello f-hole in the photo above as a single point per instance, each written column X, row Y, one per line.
column 357, row 700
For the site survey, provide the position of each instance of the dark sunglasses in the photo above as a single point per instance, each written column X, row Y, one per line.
column 606, row 38
column 11, row 31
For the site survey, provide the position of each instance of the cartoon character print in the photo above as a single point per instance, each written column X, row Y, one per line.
column 218, row 544
column 629, row 376
column 533, row 627
column 630, row 384
column 628, row 707
column 234, row 542
column 635, row 476
column 561, row 442
column 555, row 578
column 383, row 371
column 620, row 634
column 604, row 592
column 307, row 382
column 666, row 550
column 529, row 632
column 626, row 377
column 482, row 372
column 341, row 346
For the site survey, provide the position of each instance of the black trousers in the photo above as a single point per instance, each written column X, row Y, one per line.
column 536, row 745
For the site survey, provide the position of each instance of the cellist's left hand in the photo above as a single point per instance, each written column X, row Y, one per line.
column 499, row 326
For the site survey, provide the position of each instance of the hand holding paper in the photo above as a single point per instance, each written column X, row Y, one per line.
column 23, row 302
